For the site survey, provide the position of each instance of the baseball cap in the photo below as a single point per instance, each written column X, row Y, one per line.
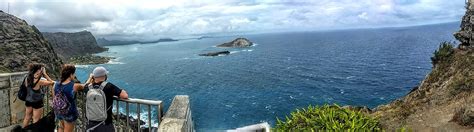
column 99, row 71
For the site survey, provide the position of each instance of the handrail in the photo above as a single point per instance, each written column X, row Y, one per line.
column 138, row 102
column 12, row 73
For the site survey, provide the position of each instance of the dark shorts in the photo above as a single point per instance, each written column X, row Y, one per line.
column 35, row 105
column 101, row 128
column 69, row 118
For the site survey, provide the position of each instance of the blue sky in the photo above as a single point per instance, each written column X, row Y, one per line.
column 128, row 19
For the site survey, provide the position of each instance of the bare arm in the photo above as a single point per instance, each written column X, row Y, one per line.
column 90, row 79
column 78, row 87
column 48, row 81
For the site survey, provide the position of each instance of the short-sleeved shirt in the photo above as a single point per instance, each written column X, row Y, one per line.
column 110, row 91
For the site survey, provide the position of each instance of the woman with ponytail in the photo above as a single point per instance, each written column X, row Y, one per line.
column 64, row 104
column 35, row 79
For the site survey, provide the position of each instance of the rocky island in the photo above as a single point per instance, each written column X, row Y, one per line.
column 216, row 53
column 238, row 43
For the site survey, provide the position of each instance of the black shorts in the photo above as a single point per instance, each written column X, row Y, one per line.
column 35, row 105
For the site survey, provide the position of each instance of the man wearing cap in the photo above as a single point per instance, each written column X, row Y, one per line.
column 100, row 75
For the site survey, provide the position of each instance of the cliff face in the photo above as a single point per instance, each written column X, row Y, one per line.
column 73, row 44
column 445, row 98
column 21, row 44
column 466, row 33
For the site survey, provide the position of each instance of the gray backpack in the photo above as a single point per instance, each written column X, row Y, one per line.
column 96, row 105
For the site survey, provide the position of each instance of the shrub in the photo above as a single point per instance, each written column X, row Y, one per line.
column 444, row 51
column 331, row 118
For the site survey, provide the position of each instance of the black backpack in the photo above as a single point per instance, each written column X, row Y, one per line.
column 23, row 92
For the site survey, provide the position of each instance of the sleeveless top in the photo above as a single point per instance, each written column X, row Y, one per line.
column 68, row 91
column 34, row 95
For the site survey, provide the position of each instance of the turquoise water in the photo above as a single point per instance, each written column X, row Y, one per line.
column 282, row 72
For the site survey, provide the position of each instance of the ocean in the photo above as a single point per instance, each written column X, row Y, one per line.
column 281, row 72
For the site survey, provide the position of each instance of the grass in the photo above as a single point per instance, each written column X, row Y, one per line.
column 327, row 118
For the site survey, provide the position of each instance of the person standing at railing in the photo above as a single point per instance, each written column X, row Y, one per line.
column 34, row 98
column 64, row 99
column 95, row 107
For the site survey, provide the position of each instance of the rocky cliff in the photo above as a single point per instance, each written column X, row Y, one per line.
column 69, row 45
column 444, row 101
column 466, row 33
column 21, row 44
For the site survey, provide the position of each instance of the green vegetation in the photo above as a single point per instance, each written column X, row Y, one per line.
column 445, row 50
column 89, row 59
column 331, row 118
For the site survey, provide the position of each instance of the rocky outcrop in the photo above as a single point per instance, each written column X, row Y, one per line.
column 444, row 101
column 215, row 53
column 21, row 44
column 239, row 42
column 69, row 45
column 466, row 33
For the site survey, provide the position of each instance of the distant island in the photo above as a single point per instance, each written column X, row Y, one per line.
column 236, row 43
column 216, row 53
column 239, row 42
column 105, row 42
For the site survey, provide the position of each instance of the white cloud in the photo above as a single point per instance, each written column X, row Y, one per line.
column 168, row 18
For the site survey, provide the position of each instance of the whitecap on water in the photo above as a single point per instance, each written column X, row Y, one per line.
column 115, row 61
column 82, row 66
column 232, row 52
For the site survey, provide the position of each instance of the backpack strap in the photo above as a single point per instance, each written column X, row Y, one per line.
column 102, row 85
column 90, row 85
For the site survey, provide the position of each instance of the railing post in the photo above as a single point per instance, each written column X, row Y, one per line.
column 127, row 109
column 160, row 112
column 117, row 110
column 138, row 117
column 149, row 118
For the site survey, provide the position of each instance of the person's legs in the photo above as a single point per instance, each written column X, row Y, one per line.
column 61, row 126
column 26, row 119
column 37, row 113
column 68, row 126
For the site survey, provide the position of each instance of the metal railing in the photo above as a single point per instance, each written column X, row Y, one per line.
column 82, row 121
column 139, row 102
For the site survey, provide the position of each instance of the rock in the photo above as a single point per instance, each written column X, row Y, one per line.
column 239, row 42
column 364, row 109
column 465, row 34
column 464, row 116
column 22, row 44
column 216, row 53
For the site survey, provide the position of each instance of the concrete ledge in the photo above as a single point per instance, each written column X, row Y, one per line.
column 178, row 118
column 11, row 112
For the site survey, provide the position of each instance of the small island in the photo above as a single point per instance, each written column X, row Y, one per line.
column 216, row 53
column 239, row 43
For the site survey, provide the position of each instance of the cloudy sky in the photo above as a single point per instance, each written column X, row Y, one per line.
column 170, row 18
